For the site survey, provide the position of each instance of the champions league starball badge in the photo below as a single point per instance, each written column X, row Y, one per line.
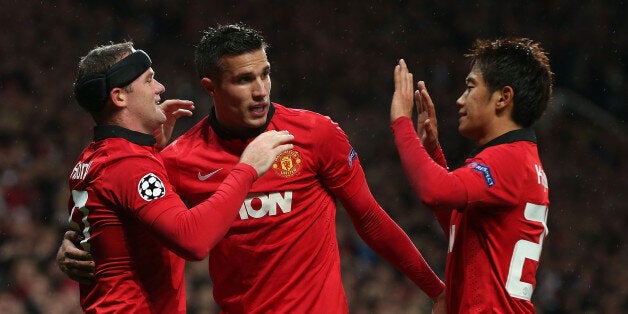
column 151, row 187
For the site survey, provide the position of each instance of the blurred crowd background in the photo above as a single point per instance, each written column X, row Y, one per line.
column 335, row 58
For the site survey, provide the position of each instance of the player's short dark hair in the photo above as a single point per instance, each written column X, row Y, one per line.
column 224, row 40
column 521, row 64
column 101, row 58
column 98, row 61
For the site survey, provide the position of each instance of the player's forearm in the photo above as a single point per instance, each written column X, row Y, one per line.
column 193, row 233
column 439, row 157
column 386, row 238
column 435, row 186
column 390, row 241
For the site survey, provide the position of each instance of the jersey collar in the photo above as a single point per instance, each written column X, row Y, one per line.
column 525, row 134
column 230, row 135
column 102, row 132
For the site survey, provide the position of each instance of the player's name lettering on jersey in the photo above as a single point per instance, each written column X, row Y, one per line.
column 80, row 171
column 540, row 174
column 258, row 205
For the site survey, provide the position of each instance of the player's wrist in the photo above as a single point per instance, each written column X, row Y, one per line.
column 432, row 147
column 439, row 298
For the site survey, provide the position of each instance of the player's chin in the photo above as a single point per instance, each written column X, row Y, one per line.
column 462, row 128
column 257, row 119
column 256, row 122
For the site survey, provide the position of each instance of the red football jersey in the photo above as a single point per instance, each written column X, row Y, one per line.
column 498, row 227
column 281, row 255
column 134, row 272
column 129, row 215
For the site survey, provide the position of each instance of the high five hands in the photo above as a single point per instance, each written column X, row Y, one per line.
column 404, row 99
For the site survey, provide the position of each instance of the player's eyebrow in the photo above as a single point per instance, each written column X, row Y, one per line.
column 150, row 74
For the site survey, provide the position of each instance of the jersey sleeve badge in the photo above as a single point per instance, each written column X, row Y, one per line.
column 485, row 171
column 151, row 187
column 352, row 156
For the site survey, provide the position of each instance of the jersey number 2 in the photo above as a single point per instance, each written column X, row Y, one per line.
column 526, row 249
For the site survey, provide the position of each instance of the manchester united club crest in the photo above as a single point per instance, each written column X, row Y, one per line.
column 287, row 164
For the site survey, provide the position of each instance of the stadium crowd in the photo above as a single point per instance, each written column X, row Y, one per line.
column 337, row 59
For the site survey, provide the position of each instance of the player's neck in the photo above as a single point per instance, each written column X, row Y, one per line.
column 497, row 129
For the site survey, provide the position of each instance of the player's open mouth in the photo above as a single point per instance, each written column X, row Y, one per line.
column 259, row 110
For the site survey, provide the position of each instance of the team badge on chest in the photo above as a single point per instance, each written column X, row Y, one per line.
column 288, row 163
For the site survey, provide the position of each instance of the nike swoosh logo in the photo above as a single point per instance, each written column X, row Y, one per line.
column 205, row 177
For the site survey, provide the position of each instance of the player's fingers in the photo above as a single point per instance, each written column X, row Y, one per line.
column 285, row 133
column 402, row 76
column 429, row 129
column 74, row 265
column 281, row 136
column 408, row 85
column 397, row 77
column 278, row 141
column 172, row 105
column 420, row 104
column 422, row 91
column 180, row 113
column 178, row 103
column 71, row 236
column 87, row 266
column 269, row 140
column 284, row 138
column 78, row 255
column 429, row 104
column 282, row 148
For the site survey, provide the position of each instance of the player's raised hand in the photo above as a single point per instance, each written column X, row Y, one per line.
column 261, row 152
column 173, row 109
column 427, row 127
column 403, row 98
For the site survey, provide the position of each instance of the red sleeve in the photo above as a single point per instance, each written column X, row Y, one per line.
column 192, row 233
column 438, row 156
column 169, row 158
column 435, row 185
column 442, row 215
column 342, row 173
column 385, row 237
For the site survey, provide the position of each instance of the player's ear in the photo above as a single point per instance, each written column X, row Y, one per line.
column 505, row 97
column 118, row 97
column 208, row 85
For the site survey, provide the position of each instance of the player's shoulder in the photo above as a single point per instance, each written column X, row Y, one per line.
column 188, row 140
column 113, row 149
column 131, row 153
column 510, row 152
column 303, row 117
column 516, row 157
column 113, row 158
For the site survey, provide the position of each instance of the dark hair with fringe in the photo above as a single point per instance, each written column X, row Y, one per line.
column 224, row 40
column 521, row 64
